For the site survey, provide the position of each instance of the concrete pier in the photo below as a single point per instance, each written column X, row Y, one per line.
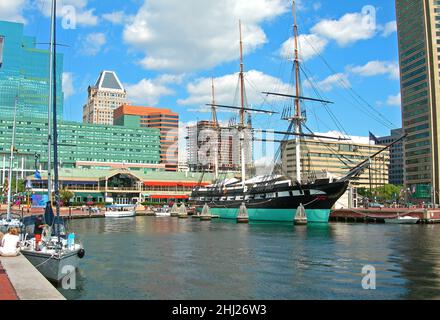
column 378, row 215
column 28, row 283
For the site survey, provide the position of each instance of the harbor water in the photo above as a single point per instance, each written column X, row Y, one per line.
column 169, row 258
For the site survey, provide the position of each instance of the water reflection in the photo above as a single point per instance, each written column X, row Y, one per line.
column 168, row 258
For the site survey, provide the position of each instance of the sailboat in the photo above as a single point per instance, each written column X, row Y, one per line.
column 59, row 253
column 8, row 222
column 276, row 197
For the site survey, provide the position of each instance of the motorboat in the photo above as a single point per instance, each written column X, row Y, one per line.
column 164, row 211
column 403, row 220
column 120, row 211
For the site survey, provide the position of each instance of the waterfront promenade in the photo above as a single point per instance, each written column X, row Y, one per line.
column 19, row 280
column 339, row 215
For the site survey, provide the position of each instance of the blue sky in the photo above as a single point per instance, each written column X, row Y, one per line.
column 166, row 51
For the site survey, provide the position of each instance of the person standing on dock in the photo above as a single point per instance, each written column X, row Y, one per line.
column 38, row 230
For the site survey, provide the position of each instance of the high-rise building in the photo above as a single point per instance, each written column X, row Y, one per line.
column 165, row 120
column 201, row 143
column 336, row 158
column 104, row 97
column 418, row 28
column 24, row 74
column 395, row 171
column 80, row 146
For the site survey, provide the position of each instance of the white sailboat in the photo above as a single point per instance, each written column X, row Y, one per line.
column 58, row 254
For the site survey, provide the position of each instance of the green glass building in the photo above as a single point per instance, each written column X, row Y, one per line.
column 80, row 146
column 24, row 73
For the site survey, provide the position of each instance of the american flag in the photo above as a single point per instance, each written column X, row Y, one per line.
column 2, row 41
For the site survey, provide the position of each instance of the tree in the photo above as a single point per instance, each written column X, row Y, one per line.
column 387, row 192
column 66, row 196
column 20, row 186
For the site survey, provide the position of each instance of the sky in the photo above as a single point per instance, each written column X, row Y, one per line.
column 166, row 52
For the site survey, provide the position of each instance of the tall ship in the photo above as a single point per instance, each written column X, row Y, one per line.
column 275, row 196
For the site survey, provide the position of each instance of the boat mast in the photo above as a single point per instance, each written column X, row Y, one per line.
column 11, row 160
column 297, row 118
column 49, row 108
column 216, row 129
column 55, row 131
column 241, row 127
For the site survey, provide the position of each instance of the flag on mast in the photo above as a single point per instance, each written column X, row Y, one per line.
column 2, row 42
column 373, row 138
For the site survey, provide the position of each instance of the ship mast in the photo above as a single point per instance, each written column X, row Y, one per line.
column 11, row 161
column 297, row 118
column 49, row 108
column 216, row 129
column 241, row 126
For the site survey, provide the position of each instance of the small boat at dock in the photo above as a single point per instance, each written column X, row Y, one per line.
column 402, row 220
column 164, row 211
column 120, row 211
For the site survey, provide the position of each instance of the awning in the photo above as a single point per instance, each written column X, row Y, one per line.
column 173, row 184
column 162, row 196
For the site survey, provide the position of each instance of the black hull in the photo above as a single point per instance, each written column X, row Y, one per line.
column 313, row 196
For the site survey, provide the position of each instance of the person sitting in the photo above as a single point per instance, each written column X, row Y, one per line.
column 9, row 243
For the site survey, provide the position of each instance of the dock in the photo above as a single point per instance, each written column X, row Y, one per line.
column 378, row 215
column 19, row 280
column 71, row 213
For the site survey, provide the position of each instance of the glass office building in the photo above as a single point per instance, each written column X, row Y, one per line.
column 418, row 27
column 24, row 73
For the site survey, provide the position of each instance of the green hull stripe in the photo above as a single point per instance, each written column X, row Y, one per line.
column 282, row 215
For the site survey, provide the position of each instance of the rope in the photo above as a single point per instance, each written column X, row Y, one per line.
column 37, row 266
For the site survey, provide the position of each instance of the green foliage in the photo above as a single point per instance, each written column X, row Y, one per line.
column 387, row 192
column 66, row 196
column 20, row 186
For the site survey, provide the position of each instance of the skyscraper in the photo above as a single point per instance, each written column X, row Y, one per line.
column 200, row 144
column 165, row 120
column 24, row 73
column 395, row 170
column 104, row 97
column 418, row 25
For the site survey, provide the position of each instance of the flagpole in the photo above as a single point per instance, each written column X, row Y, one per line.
column 369, row 167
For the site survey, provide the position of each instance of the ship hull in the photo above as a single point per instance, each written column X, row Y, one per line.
column 316, row 199
column 274, row 215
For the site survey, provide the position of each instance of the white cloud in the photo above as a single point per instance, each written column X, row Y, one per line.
column 116, row 17
column 338, row 80
column 394, row 101
column 83, row 16
column 349, row 29
column 200, row 91
column 12, row 10
column 338, row 134
column 317, row 6
column 147, row 92
column 170, row 78
column 374, row 68
column 310, row 46
column 389, row 28
column 192, row 35
column 68, row 88
column 92, row 44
